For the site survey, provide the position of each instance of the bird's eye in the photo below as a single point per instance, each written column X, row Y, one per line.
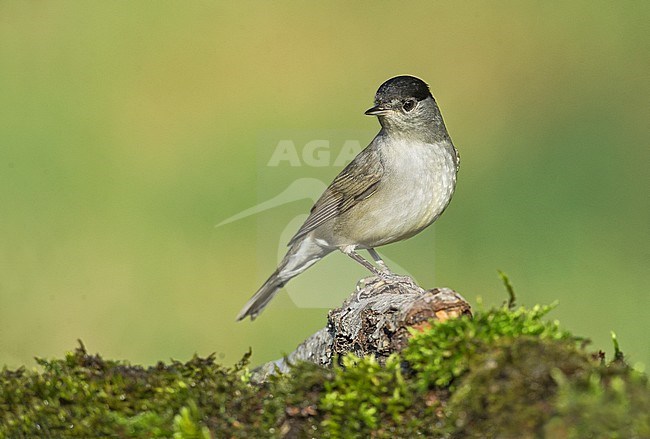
column 409, row 104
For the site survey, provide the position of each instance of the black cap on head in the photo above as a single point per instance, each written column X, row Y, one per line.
column 402, row 87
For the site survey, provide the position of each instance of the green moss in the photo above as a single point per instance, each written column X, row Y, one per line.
column 84, row 395
column 611, row 402
column 444, row 353
column 361, row 393
column 504, row 373
column 187, row 424
column 509, row 388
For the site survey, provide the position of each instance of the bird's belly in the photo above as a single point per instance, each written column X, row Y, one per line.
column 404, row 215
column 410, row 199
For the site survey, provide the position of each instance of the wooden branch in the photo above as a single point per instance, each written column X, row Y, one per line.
column 374, row 320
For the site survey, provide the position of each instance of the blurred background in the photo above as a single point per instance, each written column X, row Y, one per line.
column 128, row 130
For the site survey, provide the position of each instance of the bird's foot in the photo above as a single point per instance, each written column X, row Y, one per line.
column 368, row 280
column 398, row 278
column 384, row 276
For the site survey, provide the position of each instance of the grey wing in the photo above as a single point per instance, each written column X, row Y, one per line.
column 356, row 182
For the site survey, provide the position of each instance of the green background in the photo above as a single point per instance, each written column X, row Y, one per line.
column 129, row 129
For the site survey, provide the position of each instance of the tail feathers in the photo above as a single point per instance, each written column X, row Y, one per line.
column 301, row 255
column 263, row 296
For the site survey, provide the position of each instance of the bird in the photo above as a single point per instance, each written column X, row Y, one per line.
column 393, row 189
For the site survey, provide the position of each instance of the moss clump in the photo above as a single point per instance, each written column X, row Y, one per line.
column 362, row 393
column 505, row 373
column 84, row 395
column 461, row 377
column 443, row 354
column 612, row 402
column 510, row 388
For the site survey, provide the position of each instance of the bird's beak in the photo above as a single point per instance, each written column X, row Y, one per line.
column 376, row 111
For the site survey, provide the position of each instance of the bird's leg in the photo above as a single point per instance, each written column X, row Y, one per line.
column 388, row 273
column 379, row 261
column 349, row 250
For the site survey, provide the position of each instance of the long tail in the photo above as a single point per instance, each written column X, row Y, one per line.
column 301, row 255
column 263, row 296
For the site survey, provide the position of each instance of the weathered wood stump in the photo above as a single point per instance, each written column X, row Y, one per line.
column 373, row 320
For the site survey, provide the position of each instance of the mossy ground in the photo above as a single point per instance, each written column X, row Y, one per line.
column 505, row 373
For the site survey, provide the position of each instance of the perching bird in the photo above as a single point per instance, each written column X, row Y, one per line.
column 392, row 190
